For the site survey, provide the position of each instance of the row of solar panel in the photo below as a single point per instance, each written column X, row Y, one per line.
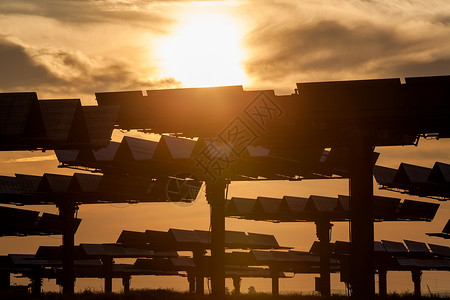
column 313, row 208
column 27, row 123
column 416, row 180
column 178, row 239
column 408, row 248
column 320, row 113
column 21, row 222
column 88, row 188
column 205, row 158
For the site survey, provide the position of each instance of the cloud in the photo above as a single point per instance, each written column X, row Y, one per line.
column 363, row 40
column 19, row 70
column 56, row 71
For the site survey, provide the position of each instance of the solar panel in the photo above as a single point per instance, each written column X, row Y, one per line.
column 385, row 208
column 408, row 174
column 105, row 250
column 132, row 238
column 416, row 247
column 15, row 109
column 418, row 210
column 263, row 241
column 394, row 247
column 440, row 173
column 134, row 149
column 240, row 206
column 322, row 204
column 384, row 175
column 100, row 123
column 440, row 250
column 293, row 204
column 60, row 119
column 54, row 183
column 267, row 205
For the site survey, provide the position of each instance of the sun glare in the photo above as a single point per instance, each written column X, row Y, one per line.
column 204, row 50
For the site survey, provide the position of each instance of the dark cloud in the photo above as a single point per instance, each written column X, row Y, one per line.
column 326, row 46
column 18, row 70
column 21, row 72
column 85, row 12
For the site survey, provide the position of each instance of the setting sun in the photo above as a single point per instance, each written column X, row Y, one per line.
column 204, row 50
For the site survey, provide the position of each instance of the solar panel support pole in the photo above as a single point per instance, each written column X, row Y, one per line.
column 199, row 279
column 36, row 281
column 323, row 228
column 382, row 283
column 107, row 271
column 275, row 281
column 67, row 210
column 417, row 278
column 215, row 195
column 126, row 284
column 191, row 281
column 362, row 278
column 237, row 285
column 5, row 279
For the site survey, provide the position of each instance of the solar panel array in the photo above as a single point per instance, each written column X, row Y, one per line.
column 322, row 113
column 83, row 188
column 398, row 256
column 27, row 123
column 205, row 159
column 416, row 180
column 189, row 240
column 300, row 209
column 21, row 222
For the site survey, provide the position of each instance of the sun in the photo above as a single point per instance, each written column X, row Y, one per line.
column 204, row 50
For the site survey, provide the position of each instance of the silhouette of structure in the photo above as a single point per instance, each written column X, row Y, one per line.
column 416, row 180
column 355, row 115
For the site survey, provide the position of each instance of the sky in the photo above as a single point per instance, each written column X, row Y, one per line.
column 72, row 49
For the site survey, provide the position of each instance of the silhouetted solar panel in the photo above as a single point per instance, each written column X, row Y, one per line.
column 100, row 122
column 135, row 149
column 293, row 204
column 440, row 250
column 384, row 175
column 20, row 222
column 440, row 173
column 241, row 206
column 322, row 204
column 411, row 174
column 63, row 120
column 394, row 247
column 116, row 251
column 17, row 221
column 132, row 238
column 267, row 205
column 28, row 183
column 410, row 209
column 53, row 223
column 54, row 183
column 385, row 208
column 264, row 241
column 84, row 183
column 417, row 247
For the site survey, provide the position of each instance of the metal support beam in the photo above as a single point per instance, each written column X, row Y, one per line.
column 67, row 212
column 215, row 194
column 275, row 281
column 36, row 281
column 191, row 281
column 107, row 273
column 362, row 278
column 237, row 285
column 5, row 279
column 417, row 278
column 382, row 283
column 199, row 279
column 126, row 284
column 323, row 228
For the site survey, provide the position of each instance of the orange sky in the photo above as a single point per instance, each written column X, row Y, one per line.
column 71, row 49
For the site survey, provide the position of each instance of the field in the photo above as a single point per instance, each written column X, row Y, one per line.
column 162, row 294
